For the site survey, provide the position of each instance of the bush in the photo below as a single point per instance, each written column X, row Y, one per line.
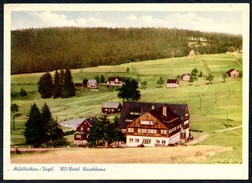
column 14, row 95
column 60, row 142
column 22, row 92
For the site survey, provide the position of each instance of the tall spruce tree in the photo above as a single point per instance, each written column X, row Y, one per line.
column 102, row 79
column 33, row 126
column 14, row 109
column 46, row 118
column 68, row 89
column 45, row 85
column 57, row 85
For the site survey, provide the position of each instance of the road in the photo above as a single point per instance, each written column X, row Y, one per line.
column 205, row 135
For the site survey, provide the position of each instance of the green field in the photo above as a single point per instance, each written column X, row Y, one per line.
column 212, row 107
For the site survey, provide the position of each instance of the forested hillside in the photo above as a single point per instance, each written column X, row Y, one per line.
column 35, row 50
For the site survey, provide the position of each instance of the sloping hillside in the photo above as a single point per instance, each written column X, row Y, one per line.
column 36, row 50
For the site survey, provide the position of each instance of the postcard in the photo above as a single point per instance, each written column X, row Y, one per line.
column 126, row 91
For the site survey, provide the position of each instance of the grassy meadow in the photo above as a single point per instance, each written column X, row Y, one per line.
column 213, row 107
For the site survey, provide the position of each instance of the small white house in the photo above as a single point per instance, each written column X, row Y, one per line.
column 92, row 83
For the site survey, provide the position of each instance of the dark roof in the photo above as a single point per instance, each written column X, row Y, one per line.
column 114, row 78
column 91, row 121
column 172, row 81
column 173, row 110
column 73, row 123
column 92, row 81
column 165, row 119
column 230, row 70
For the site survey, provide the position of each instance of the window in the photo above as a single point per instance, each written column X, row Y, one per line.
column 146, row 141
column 148, row 130
column 81, row 128
column 153, row 131
column 186, row 122
column 112, row 110
column 136, row 140
column 146, row 122
column 163, row 142
column 130, row 129
column 143, row 130
column 163, row 131
column 87, row 136
column 106, row 109
column 139, row 130
column 157, row 141
column 88, row 129
column 130, row 139
column 172, row 130
column 78, row 136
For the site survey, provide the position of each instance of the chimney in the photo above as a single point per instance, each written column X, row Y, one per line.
column 165, row 110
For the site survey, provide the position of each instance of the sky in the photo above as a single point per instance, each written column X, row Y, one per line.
column 209, row 21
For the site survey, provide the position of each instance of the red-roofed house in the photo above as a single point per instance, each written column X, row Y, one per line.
column 115, row 81
column 172, row 83
column 232, row 73
column 81, row 136
column 111, row 107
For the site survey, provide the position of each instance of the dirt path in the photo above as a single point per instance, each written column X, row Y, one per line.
column 196, row 140
column 205, row 135
column 228, row 129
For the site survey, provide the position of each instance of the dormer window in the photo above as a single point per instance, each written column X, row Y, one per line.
column 130, row 129
column 163, row 131
column 146, row 122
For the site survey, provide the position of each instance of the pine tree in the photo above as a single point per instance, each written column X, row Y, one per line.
column 68, row 89
column 160, row 81
column 57, row 85
column 46, row 118
column 33, row 126
column 84, row 82
column 129, row 91
column 14, row 109
column 98, row 79
column 45, row 85
column 102, row 79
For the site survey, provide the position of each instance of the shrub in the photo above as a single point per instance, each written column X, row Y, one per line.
column 22, row 92
column 60, row 142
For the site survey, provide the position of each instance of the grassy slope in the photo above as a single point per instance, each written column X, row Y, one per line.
column 217, row 103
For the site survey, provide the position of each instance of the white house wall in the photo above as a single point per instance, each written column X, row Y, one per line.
column 152, row 143
column 175, row 138
column 187, row 133
column 153, row 140
column 172, row 85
